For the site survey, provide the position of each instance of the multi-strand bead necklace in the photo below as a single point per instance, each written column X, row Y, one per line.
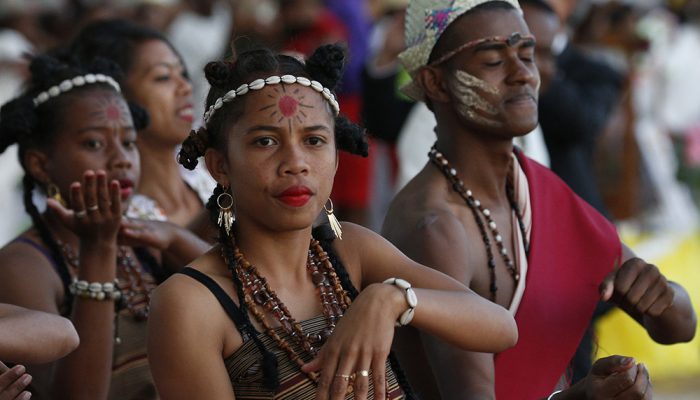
column 258, row 297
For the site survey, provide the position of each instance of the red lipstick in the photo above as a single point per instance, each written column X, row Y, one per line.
column 126, row 188
column 295, row 196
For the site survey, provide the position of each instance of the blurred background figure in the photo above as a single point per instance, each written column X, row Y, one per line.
column 20, row 33
column 384, row 108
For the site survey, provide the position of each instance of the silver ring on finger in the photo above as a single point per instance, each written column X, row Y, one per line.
column 93, row 208
column 80, row 214
column 363, row 373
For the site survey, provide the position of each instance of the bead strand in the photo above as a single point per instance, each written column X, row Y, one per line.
column 479, row 211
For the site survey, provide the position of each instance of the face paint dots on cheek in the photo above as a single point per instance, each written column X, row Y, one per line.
column 288, row 106
column 471, row 103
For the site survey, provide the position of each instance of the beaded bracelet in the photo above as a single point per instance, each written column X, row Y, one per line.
column 411, row 298
column 94, row 290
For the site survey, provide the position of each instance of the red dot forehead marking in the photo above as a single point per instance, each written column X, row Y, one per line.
column 288, row 106
column 113, row 113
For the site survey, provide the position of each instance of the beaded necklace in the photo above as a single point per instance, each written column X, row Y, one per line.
column 258, row 296
column 478, row 210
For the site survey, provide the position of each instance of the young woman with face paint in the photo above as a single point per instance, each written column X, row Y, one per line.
column 313, row 315
column 156, row 79
column 76, row 140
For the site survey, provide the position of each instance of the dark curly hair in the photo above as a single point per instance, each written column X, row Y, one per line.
column 33, row 127
column 115, row 40
column 325, row 65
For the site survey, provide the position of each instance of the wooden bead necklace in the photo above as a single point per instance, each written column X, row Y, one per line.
column 258, row 297
column 478, row 210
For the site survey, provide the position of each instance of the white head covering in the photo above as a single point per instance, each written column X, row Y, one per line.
column 426, row 20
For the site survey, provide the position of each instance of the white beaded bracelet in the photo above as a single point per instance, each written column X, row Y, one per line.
column 551, row 396
column 95, row 290
column 411, row 298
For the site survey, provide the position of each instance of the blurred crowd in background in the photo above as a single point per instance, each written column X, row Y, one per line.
column 628, row 141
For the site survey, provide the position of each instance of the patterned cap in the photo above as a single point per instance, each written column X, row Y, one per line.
column 426, row 20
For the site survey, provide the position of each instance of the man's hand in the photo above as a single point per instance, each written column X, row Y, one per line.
column 618, row 377
column 638, row 287
column 614, row 377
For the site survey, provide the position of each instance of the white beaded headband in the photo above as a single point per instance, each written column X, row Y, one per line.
column 273, row 80
column 70, row 84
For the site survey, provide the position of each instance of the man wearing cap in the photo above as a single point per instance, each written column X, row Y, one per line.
column 507, row 227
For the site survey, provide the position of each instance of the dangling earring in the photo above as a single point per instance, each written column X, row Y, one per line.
column 53, row 192
column 335, row 225
column 226, row 214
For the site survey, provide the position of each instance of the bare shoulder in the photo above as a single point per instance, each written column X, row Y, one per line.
column 188, row 324
column 28, row 277
column 428, row 229
column 184, row 295
column 422, row 225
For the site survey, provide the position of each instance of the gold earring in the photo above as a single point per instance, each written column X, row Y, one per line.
column 335, row 225
column 53, row 192
column 227, row 216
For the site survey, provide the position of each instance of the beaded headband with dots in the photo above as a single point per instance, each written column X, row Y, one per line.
column 73, row 83
column 273, row 80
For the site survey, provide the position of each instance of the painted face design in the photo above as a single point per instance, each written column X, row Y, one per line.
column 111, row 112
column 287, row 104
column 472, row 105
column 469, row 90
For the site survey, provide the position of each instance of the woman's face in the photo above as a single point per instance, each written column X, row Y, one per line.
column 96, row 133
column 157, row 81
column 282, row 157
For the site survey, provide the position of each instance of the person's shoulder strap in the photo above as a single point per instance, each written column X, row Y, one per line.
column 232, row 310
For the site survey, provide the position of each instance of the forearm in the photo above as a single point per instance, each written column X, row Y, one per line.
column 465, row 320
column 34, row 337
column 86, row 373
column 677, row 324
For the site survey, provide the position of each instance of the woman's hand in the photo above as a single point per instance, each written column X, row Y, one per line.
column 96, row 208
column 144, row 233
column 359, row 346
column 13, row 382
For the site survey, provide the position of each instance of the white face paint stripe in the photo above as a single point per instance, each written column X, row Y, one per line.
column 471, row 104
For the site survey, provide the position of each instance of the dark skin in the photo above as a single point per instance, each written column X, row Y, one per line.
column 94, row 161
column 157, row 81
column 437, row 219
column 285, row 138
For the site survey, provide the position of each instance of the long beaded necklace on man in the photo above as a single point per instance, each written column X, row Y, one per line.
column 257, row 294
column 437, row 158
column 136, row 291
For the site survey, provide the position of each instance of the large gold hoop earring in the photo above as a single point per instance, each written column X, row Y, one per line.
column 227, row 215
column 333, row 220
